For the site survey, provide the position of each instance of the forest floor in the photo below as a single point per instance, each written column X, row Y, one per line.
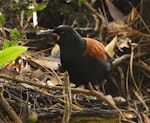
column 32, row 86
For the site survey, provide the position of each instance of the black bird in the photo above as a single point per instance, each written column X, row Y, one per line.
column 85, row 59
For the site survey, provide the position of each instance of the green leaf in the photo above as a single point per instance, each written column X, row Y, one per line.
column 80, row 2
column 37, row 8
column 15, row 34
column 11, row 53
column 8, row 43
column 2, row 19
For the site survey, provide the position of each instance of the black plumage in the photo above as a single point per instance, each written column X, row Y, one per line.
column 85, row 59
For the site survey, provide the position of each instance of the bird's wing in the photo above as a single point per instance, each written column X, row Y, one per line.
column 95, row 48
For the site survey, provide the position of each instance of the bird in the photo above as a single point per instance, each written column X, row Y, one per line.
column 85, row 59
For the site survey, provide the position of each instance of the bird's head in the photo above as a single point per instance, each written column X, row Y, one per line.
column 67, row 36
column 61, row 33
column 63, row 29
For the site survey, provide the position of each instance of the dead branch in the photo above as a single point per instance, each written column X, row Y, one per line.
column 73, row 90
column 67, row 99
column 102, row 97
column 7, row 107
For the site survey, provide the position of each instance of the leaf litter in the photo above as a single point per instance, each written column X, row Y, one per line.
column 33, row 83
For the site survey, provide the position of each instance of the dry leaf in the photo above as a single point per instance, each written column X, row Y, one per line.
column 120, row 99
column 115, row 13
column 133, row 15
column 53, row 81
column 110, row 98
column 123, row 42
column 49, row 63
column 111, row 46
column 55, row 51
column 129, row 116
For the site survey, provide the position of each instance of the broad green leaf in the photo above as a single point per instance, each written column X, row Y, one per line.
column 2, row 19
column 80, row 2
column 11, row 53
column 37, row 8
column 8, row 43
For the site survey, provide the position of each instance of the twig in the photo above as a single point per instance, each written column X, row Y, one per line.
column 8, row 108
column 137, row 93
column 141, row 18
column 26, row 24
column 131, row 67
column 120, row 59
column 49, row 71
column 137, row 112
column 127, row 56
column 59, row 99
column 141, row 100
column 41, row 51
column 103, row 98
column 73, row 90
column 99, row 16
column 122, row 77
column 3, row 32
column 68, row 99
column 93, row 10
column 127, row 85
column 144, row 65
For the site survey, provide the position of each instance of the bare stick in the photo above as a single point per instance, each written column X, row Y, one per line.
column 68, row 99
column 7, row 107
column 103, row 98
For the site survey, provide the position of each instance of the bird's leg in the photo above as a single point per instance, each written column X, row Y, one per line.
column 90, row 86
column 103, row 86
column 96, row 88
